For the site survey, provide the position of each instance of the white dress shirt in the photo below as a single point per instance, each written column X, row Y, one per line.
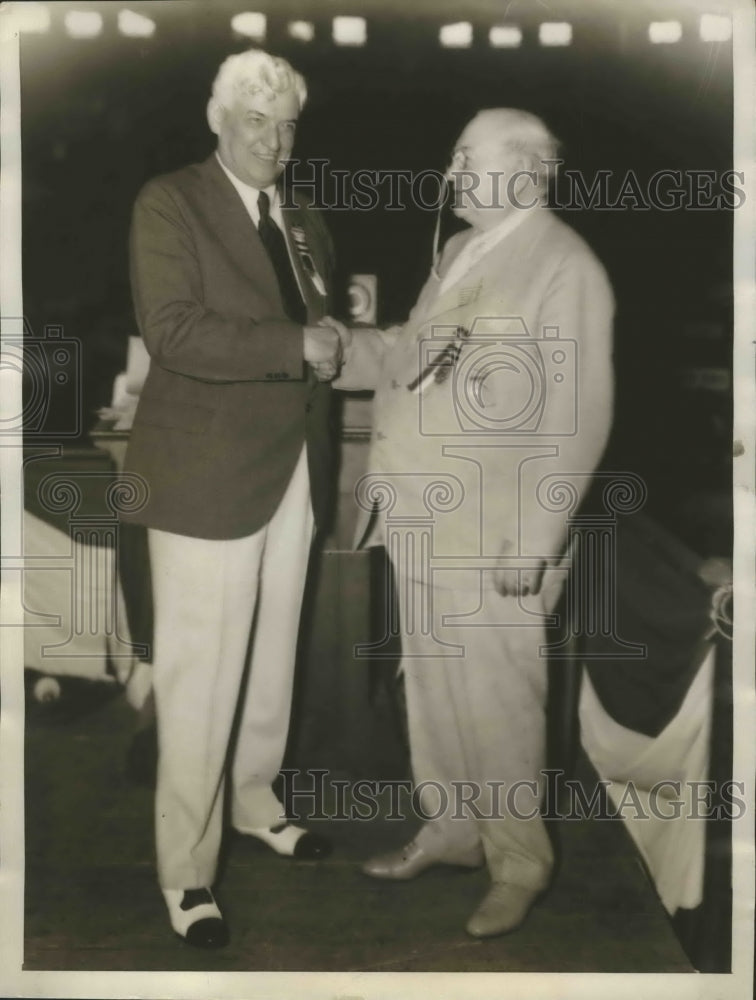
column 249, row 196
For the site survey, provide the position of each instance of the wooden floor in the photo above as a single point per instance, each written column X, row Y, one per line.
column 92, row 902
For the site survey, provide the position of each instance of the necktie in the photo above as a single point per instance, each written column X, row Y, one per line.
column 275, row 244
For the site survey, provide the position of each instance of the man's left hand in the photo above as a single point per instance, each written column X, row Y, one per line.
column 323, row 351
column 325, row 372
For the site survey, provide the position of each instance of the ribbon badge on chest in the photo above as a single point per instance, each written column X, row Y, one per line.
column 303, row 252
column 440, row 366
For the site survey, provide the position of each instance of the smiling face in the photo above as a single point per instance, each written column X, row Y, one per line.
column 256, row 134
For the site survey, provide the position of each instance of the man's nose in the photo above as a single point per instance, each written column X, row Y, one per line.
column 270, row 137
column 457, row 161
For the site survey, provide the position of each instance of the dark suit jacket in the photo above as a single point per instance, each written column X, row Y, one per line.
column 228, row 401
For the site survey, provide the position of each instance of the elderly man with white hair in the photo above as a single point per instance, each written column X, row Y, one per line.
column 498, row 385
column 231, row 437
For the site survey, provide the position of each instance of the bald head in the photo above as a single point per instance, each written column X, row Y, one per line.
column 515, row 129
column 502, row 154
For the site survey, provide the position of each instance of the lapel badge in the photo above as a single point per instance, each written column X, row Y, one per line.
column 439, row 368
column 303, row 252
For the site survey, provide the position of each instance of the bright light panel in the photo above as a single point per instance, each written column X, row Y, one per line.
column 303, row 31
column 456, row 36
column 135, row 25
column 505, row 36
column 250, row 24
column 349, row 30
column 664, row 32
column 31, row 17
column 555, row 33
column 83, row 23
column 715, row 28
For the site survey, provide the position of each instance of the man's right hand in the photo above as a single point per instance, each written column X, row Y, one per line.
column 323, row 351
column 341, row 328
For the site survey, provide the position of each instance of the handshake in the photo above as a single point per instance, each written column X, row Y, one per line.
column 324, row 347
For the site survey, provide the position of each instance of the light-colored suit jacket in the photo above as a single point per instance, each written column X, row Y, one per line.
column 526, row 405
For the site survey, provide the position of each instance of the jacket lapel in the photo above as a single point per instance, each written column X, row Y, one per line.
column 295, row 222
column 464, row 293
column 232, row 225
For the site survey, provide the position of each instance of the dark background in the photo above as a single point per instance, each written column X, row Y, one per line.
column 100, row 116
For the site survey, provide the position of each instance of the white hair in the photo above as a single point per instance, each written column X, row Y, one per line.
column 255, row 71
column 524, row 132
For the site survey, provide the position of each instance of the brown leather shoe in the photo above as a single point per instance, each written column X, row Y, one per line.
column 503, row 909
column 412, row 860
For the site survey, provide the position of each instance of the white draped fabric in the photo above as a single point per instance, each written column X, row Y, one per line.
column 75, row 618
column 633, row 763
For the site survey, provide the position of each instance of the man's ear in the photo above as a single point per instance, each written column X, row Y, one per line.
column 526, row 167
column 214, row 115
column 523, row 163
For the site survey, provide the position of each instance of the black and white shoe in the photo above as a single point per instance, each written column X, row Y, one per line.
column 196, row 918
column 292, row 841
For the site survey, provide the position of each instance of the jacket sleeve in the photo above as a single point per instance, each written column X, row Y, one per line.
column 327, row 251
column 181, row 334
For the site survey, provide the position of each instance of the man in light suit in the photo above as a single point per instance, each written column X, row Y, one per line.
column 231, row 438
column 498, row 386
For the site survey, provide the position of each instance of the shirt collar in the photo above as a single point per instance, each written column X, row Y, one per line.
column 249, row 194
column 478, row 245
column 490, row 237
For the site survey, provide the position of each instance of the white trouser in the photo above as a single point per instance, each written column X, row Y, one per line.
column 206, row 595
column 478, row 720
